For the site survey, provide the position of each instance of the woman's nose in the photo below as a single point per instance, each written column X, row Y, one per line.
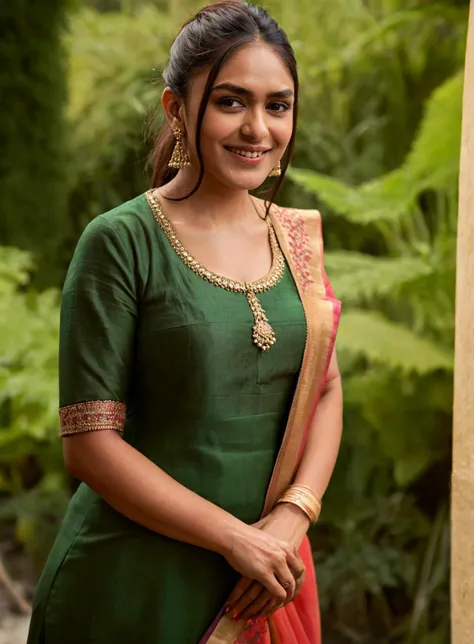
column 255, row 126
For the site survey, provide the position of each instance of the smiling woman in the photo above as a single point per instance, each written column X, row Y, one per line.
column 200, row 394
column 249, row 116
column 237, row 100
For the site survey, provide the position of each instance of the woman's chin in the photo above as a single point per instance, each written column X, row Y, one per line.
column 249, row 181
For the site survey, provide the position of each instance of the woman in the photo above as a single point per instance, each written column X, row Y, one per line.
column 188, row 399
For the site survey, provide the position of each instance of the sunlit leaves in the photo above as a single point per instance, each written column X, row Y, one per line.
column 358, row 277
column 370, row 335
column 29, row 330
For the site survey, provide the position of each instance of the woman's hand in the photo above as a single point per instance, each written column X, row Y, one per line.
column 264, row 558
column 250, row 598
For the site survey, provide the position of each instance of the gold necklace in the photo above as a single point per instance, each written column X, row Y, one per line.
column 262, row 333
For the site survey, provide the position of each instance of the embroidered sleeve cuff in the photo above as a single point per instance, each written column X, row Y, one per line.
column 91, row 416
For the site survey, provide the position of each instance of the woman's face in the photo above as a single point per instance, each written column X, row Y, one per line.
column 248, row 120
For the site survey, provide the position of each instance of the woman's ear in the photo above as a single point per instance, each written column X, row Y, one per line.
column 172, row 107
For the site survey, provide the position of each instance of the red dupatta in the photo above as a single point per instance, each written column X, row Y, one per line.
column 300, row 237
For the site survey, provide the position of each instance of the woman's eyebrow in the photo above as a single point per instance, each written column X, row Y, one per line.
column 243, row 91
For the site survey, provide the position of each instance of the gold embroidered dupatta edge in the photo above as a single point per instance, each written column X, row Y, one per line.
column 300, row 237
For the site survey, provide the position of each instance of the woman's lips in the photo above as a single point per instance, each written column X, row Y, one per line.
column 247, row 156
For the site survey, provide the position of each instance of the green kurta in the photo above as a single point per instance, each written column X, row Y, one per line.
column 203, row 403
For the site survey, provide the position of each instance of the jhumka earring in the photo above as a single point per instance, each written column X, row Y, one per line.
column 179, row 158
column 276, row 172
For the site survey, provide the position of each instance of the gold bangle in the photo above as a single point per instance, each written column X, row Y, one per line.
column 304, row 498
column 308, row 494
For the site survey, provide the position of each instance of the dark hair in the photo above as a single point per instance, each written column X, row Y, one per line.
column 208, row 40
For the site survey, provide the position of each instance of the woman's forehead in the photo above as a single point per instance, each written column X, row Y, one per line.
column 256, row 67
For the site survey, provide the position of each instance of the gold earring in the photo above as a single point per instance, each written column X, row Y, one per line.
column 276, row 172
column 179, row 158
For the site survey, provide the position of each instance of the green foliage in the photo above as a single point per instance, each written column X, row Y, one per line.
column 366, row 69
column 359, row 277
column 33, row 179
column 398, row 364
column 30, row 450
column 381, row 341
column 393, row 197
column 113, row 92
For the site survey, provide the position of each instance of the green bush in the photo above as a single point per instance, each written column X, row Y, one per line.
column 32, row 474
column 115, row 60
column 388, row 516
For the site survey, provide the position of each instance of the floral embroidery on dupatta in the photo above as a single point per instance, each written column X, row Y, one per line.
column 298, row 241
column 254, row 633
column 92, row 416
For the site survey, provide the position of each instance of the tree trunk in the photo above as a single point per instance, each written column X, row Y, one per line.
column 462, row 511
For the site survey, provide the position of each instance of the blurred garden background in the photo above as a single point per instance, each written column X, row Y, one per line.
column 377, row 152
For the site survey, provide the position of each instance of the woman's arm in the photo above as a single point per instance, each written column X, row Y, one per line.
column 324, row 437
column 138, row 489
column 319, row 458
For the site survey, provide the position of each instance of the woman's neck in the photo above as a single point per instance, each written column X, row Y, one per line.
column 212, row 206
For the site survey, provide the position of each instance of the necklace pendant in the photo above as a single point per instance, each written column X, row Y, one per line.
column 262, row 333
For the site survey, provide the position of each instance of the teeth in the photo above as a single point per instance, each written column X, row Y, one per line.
column 244, row 153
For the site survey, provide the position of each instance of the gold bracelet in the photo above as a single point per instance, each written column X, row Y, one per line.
column 303, row 497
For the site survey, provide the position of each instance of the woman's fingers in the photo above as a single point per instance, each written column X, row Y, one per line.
column 271, row 607
column 265, row 604
column 262, row 603
column 265, row 596
column 295, row 562
column 266, row 561
column 242, row 585
column 287, row 581
column 297, row 568
column 275, row 588
column 300, row 582
column 251, row 595
column 256, row 609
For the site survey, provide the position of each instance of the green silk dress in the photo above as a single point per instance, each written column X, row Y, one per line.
column 140, row 328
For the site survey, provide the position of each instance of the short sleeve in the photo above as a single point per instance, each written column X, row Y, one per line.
column 98, row 319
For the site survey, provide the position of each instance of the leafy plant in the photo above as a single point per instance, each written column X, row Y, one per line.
column 30, row 449
column 112, row 95
column 396, row 343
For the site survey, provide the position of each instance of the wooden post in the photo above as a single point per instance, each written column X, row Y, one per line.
column 462, row 500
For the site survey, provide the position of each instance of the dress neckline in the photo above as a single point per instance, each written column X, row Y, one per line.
column 262, row 333
column 259, row 285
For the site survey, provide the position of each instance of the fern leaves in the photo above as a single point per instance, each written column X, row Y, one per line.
column 416, row 236
column 370, row 335
column 433, row 163
column 358, row 277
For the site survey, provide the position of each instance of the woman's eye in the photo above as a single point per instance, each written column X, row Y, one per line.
column 229, row 102
column 278, row 107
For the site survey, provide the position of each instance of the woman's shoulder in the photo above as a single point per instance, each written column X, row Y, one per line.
column 116, row 242
column 129, row 220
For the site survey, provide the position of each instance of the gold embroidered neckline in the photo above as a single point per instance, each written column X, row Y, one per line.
column 263, row 334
